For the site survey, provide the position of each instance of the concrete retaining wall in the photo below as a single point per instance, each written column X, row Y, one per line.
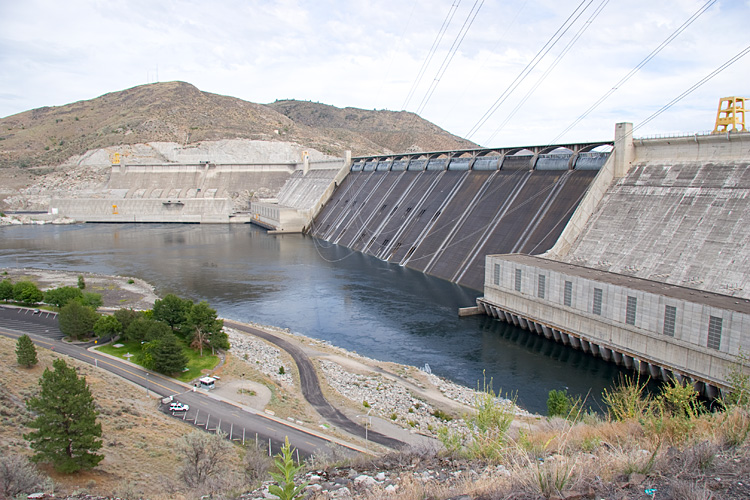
column 534, row 289
column 144, row 210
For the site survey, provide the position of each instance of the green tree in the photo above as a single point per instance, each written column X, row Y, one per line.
column 137, row 330
column 66, row 431
column 172, row 310
column 107, row 326
column 27, row 292
column 157, row 330
column 92, row 300
column 25, row 351
column 127, row 316
column 81, row 282
column 62, row 295
column 6, row 290
column 145, row 330
column 77, row 320
column 203, row 324
column 167, row 354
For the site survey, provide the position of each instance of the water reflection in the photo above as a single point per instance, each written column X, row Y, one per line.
column 324, row 291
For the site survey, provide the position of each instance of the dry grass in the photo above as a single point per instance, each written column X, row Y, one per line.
column 137, row 438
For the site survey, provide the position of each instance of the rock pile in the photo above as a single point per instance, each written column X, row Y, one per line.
column 388, row 478
column 267, row 358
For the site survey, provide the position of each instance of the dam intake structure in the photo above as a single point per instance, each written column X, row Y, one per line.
column 442, row 212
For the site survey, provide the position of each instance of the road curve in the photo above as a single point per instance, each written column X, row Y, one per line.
column 311, row 388
column 206, row 411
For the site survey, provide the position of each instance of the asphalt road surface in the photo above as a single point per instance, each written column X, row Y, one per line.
column 206, row 412
column 311, row 389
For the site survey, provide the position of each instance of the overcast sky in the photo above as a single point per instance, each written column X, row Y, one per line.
column 368, row 54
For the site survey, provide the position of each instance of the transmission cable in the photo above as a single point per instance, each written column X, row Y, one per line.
column 524, row 73
column 640, row 65
column 554, row 64
column 451, row 52
column 431, row 52
column 705, row 79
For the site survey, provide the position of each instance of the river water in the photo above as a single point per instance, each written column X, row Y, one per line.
column 324, row 291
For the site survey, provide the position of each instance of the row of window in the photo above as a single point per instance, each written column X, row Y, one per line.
column 670, row 312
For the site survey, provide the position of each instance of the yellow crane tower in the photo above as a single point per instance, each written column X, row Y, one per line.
column 731, row 115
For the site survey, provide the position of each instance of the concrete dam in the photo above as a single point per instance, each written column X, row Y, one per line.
column 651, row 272
column 442, row 212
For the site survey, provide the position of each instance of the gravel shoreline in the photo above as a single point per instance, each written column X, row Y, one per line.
column 402, row 395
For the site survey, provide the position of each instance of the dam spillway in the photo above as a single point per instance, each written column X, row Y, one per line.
column 442, row 216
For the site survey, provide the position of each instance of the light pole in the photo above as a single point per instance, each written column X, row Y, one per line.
column 367, row 417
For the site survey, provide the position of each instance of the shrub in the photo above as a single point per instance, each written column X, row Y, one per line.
column 6, row 290
column 739, row 380
column 27, row 292
column 558, row 404
column 627, row 400
column 62, row 295
column 18, row 475
column 286, row 489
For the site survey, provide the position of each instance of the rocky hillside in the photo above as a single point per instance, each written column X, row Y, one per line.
column 180, row 113
column 396, row 131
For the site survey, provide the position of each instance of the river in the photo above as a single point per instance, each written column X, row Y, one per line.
column 323, row 291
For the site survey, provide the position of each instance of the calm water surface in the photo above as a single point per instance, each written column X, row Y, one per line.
column 327, row 292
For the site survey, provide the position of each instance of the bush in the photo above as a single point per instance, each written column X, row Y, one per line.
column 627, row 399
column 62, row 295
column 558, row 404
column 6, row 290
column 18, row 475
column 107, row 326
column 27, row 292
column 92, row 300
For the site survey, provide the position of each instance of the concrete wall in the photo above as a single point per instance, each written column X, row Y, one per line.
column 616, row 167
column 201, row 192
column 301, row 197
column 196, row 181
column 145, row 210
column 686, row 352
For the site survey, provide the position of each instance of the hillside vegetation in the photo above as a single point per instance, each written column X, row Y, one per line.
column 179, row 112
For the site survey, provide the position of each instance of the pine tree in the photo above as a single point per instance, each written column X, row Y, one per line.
column 67, row 433
column 25, row 351
column 167, row 355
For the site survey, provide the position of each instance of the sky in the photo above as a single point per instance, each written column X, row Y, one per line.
column 502, row 73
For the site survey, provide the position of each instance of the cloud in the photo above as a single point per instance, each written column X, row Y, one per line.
column 361, row 54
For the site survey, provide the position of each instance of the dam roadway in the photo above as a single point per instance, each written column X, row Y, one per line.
column 206, row 411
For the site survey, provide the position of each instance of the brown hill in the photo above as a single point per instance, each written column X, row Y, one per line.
column 397, row 131
column 179, row 112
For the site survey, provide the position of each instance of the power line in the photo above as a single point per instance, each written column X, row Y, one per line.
column 554, row 64
column 451, row 52
column 633, row 71
column 705, row 79
column 469, row 82
column 431, row 53
column 523, row 74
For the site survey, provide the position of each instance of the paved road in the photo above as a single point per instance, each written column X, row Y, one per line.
column 311, row 389
column 206, row 410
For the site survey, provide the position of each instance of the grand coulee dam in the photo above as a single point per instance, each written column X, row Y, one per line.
column 635, row 250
